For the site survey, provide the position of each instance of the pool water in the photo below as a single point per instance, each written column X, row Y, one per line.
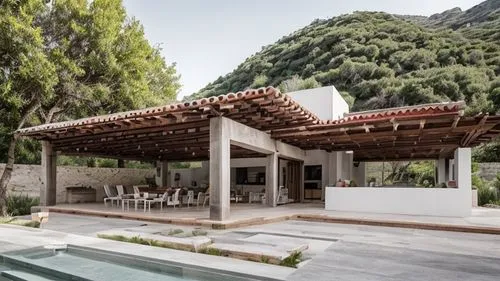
column 81, row 263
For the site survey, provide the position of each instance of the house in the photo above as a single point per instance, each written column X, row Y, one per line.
column 257, row 140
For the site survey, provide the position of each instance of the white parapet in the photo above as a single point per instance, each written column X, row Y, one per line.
column 449, row 202
column 398, row 200
column 325, row 102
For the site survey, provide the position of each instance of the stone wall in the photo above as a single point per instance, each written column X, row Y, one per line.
column 26, row 179
column 489, row 171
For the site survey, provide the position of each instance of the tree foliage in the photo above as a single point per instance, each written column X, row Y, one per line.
column 71, row 58
column 90, row 59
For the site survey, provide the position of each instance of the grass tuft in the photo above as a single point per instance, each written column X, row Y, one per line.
column 176, row 231
column 211, row 251
column 292, row 260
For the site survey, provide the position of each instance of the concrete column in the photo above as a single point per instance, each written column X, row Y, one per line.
column 463, row 177
column 451, row 169
column 220, row 175
column 359, row 174
column 441, row 171
column 301, row 189
column 48, row 190
column 346, row 162
column 162, row 173
column 272, row 179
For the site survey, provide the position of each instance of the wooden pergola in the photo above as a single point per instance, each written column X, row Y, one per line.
column 262, row 123
column 429, row 131
column 174, row 132
column 181, row 131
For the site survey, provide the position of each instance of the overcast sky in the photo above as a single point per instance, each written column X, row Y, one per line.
column 209, row 38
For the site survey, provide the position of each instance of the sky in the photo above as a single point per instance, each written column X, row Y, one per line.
column 209, row 38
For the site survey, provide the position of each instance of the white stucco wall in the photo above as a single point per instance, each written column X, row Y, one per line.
column 325, row 102
column 451, row 202
column 394, row 200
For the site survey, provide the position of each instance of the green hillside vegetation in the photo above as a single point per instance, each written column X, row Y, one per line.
column 375, row 60
column 479, row 22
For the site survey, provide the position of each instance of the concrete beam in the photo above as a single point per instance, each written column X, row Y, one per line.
column 290, row 152
column 48, row 190
column 223, row 133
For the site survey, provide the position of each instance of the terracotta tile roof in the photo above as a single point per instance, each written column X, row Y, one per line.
column 247, row 97
column 399, row 112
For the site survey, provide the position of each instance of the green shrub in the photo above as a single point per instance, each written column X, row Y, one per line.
column 486, row 195
column 20, row 205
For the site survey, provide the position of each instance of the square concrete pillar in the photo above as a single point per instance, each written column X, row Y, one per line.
column 220, row 162
column 48, row 190
column 359, row 173
column 162, row 173
column 336, row 164
column 346, row 162
column 441, row 171
column 451, row 169
column 301, row 189
column 463, row 175
column 272, row 179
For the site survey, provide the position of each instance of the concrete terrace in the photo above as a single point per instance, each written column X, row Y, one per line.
column 353, row 252
column 482, row 220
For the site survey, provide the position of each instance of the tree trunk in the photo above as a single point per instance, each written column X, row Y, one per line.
column 11, row 154
column 6, row 175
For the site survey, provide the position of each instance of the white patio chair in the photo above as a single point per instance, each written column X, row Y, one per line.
column 136, row 189
column 190, row 197
column 174, row 199
column 282, row 197
column 110, row 196
column 206, row 199
column 121, row 193
column 199, row 200
column 163, row 198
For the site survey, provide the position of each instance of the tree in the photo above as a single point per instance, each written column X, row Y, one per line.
column 100, row 62
column 27, row 77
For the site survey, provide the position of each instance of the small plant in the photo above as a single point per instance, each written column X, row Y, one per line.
column 113, row 237
column 264, row 259
column 199, row 232
column 176, row 231
column 20, row 205
column 15, row 221
column 210, row 251
column 292, row 260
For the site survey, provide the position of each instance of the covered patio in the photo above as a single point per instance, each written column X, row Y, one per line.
column 267, row 125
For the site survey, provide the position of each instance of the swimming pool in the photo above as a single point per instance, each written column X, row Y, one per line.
column 70, row 262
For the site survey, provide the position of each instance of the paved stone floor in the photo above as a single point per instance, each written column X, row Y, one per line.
column 241, row 211
column 383, row 253
column 353, row 252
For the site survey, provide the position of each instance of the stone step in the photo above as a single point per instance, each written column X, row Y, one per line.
column 17, row 275
column 179, row 243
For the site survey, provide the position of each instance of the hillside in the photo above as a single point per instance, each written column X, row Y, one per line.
column 376, row 60
column 479, row 22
